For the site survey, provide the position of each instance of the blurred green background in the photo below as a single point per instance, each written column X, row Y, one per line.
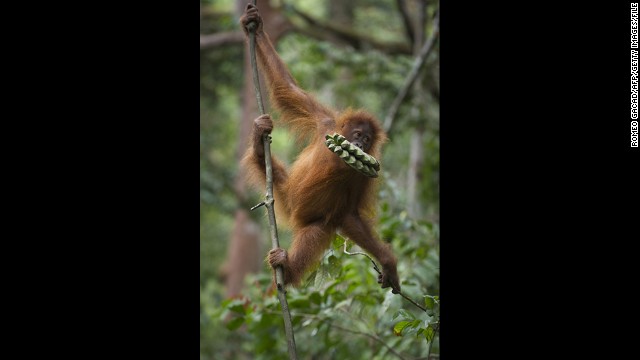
column 347, row 53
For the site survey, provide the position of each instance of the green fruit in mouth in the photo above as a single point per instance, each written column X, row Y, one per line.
column 352, row 155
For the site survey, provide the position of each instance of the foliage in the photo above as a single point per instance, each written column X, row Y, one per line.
column 340, row 312
column 410, row 324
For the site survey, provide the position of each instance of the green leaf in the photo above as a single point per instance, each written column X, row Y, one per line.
column 429, row 333
column 237, row 308
column 345, row 303
column 404, row 315
column 315, row 298
column 300, row 303
column 397, row 329
column 334, row 266
column 412, row 327
column 264, row 343
column 226, row 302
column 338, row 242
column 429, row 302
column 235, row 323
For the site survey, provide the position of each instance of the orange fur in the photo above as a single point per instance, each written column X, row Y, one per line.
column 320, row 194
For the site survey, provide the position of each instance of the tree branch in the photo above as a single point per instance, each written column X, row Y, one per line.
column 413, row 75
column 420, row 24
column 221, row 39
column 317, row 30
column 329, row 321
column 408, row 27
column 375, row 266
column 266, row 140
column 333, row 33
column 377, row 269
column 371, row 336
column 435, row 332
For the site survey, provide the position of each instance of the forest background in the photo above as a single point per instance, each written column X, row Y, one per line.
column 356, row 54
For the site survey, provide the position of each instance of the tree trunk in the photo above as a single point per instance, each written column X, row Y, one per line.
column 416, row 154
column 414, row 175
